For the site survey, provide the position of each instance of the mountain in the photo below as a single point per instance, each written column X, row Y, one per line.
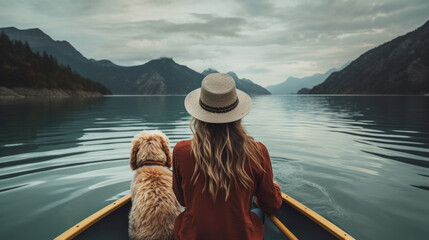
column 62, row 50
column 400, row 66
column 304, row 91
column 164, row 76
column 159, row 76
column 293, row 84
column 246, row 85
column 209, row 71
column 243, row 84
column 26, row 73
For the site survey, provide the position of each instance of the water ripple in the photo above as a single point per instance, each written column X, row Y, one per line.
column 416, row 162
column 18, row 174
column 352, row 159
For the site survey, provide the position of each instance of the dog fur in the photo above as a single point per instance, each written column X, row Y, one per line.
column 154, row 205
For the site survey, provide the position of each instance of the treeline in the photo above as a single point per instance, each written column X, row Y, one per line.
column 21, row 68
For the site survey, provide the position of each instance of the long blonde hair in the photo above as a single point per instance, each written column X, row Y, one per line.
column 221, row 152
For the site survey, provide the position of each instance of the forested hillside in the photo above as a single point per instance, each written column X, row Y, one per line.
column 21, row 68
column 158, row 76
column 400, row 66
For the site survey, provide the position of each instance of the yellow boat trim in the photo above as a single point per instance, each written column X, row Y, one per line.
column 88, row 222
column 334, row 230
column 282, row 227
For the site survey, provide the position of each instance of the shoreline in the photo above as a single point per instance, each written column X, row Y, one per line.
column 12, row 93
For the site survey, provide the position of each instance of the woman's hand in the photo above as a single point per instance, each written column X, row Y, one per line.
column 276, row 184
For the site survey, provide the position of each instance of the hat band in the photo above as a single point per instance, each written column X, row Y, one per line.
column 219, row 109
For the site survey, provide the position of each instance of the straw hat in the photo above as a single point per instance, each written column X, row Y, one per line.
column 218, row 100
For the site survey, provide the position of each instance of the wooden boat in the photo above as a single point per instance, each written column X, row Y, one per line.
column 292, row 221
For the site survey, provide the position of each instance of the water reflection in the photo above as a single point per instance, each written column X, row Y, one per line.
column 25, row 120
column 398, row 129
column 362, row 162
column 362, row 156
column 78, row 151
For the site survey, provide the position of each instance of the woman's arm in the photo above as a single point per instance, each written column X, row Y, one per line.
column 268, row 192
column 177, row 179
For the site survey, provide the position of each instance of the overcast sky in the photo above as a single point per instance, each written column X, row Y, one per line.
column 265, row 41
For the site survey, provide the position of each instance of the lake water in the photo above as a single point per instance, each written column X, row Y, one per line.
column 362, row 162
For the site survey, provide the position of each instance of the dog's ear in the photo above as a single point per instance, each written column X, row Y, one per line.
column 167, row 152
column 133, row 157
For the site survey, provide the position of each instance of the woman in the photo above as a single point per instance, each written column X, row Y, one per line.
column 217, row 172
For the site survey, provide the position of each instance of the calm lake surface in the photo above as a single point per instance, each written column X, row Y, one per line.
column 360, row 161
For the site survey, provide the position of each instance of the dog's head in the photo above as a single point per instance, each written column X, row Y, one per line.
column 150, row 145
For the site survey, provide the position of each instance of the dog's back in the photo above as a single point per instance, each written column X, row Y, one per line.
column 154, row 205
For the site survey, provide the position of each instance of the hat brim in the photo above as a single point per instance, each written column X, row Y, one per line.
column 192, row 105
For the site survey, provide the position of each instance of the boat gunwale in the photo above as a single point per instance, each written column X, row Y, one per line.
column 321, row 221
column 97, row 216
column 91, row 220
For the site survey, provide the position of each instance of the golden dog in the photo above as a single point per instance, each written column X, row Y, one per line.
column 154, row 205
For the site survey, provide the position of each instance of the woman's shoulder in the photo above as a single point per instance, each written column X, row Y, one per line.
column 182, row 145
column 182, row 153
column 262, row 146
column 265, row 153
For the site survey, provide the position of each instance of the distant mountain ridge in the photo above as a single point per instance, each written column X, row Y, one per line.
column 41, row 42
column 400, row 66
column 292, row 84
column 24, row 73
column 244, row 84
column 159, row 76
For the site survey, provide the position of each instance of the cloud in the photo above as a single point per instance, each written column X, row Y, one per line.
column 68, row 9
column 257, row 8
column 199, row 26
column 265, row 41
column 256, row 70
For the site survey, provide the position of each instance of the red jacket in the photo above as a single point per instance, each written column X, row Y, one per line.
column 205, row 219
